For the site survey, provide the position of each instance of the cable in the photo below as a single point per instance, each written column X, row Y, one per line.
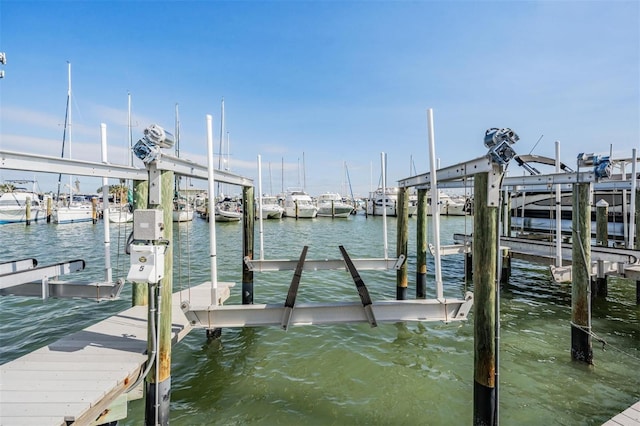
column 154, row 343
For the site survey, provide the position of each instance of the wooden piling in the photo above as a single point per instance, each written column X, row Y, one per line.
column 421, row 271
column 602, row 219
column 27, row 207
column 636, row 217
column 581, row 347
column 139, row 293
column 402, row 243
column 636, row 243
column 485, row 255
column 49, row 208
column 247, row 243
column 158, row 389
column 94, row 209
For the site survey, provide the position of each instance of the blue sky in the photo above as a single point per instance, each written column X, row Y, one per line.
column 321, row 83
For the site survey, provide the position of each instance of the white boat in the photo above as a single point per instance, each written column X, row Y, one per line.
column 330, row 204
column 228, row 210
column 183, row 211
column 388, row 200
column 120, row 214
column 450, row 206
column 78, row 211
column 270, row 208
column 13, row 205
column 298, row 204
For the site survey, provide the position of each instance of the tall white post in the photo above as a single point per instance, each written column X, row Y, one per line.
column 108, row 274
column 558, row 211
column 212, row 213
column 385, row 243
column 435, row 204
column 260, row 202
column 632, row 206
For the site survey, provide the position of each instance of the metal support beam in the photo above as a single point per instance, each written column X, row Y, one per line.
column 17, row 265
column 456, row 172
column 365, row 298
column 38, row 274
column 320, row 265
column 41, row 163
column 182, row 167
column 261, row 315
column 293, row 291
column 99, row 291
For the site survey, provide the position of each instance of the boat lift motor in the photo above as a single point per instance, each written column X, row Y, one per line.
column 147, row 256
column 601, row 164
column 148, row 147
column 499, row 142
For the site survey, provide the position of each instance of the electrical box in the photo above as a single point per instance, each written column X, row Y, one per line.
column 147, row 263
column 148, row 224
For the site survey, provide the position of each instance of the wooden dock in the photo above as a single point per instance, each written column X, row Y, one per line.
column 629, row 417
column 76, row 379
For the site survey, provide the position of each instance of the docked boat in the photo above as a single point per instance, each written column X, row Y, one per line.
column 449, row 206
column 330, row 204
column 77, row 211
column 13, row 205
column 120, row 214
column 298, row 204
column 182, row 211
column 380, row 200
column 270, row 208
column 228, row 210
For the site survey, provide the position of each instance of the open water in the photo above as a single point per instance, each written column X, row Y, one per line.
column 395, row 374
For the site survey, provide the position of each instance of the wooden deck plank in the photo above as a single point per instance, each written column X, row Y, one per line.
column 46, row 409
column 36, row 419
column 80, row 375
column 629, row 417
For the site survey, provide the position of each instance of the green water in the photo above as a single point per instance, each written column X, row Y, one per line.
column 395, row 374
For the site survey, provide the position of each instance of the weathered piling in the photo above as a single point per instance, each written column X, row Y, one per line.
column 49, row 209
column 599, row 287
column 139, row 293
column 602, row 217
column 27, row 207
column 94, row 209
column 158, row 385
column 248, row 223
column 485, row 256
column 402, row 243
column 636, row 217
column 421, row 250
column 581, row 347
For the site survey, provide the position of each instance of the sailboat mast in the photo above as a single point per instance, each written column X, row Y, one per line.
column 69, row 128
column 64, row 131
column 130, row 135
column 221, row 140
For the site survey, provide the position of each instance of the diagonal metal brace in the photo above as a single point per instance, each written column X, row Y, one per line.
column 293, row 291
column 362, row 288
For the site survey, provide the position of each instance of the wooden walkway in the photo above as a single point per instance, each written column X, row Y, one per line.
column 77, row 378
column 629, row 417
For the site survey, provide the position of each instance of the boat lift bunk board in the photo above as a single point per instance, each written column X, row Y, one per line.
column 24, row 278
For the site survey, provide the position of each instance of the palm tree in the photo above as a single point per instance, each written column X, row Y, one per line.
column 7, row 187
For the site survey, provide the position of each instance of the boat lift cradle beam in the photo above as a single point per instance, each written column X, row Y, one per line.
column 17, row 265
column 461, row 176
column 11, row 160
column 41, row 282
column 289, row 313
column 604, row 260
